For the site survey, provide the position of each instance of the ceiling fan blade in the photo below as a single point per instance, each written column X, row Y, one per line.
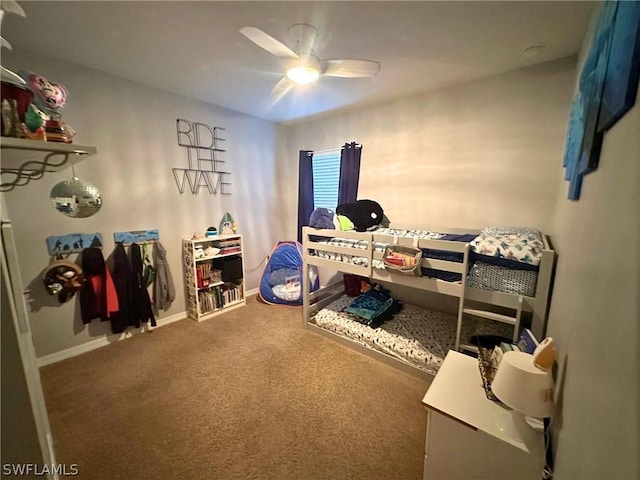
column 270, row 44
column 4, row 43
column 281, row 88
column 12, row 6
column 8, row 75
column 350, row 68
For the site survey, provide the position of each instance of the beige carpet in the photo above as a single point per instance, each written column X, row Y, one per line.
column 246, row 395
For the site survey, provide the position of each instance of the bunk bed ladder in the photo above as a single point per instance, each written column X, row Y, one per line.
column 515, row 321
column 516, row 327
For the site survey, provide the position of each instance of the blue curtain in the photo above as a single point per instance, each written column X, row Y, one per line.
column 305, row 190
column 349, row 173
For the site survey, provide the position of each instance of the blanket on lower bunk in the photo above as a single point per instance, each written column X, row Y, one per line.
column 415, row 335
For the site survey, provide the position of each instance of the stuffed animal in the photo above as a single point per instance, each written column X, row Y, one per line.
column 47, row 95
column 363, row 213
column 324, row 218
column 227, row 225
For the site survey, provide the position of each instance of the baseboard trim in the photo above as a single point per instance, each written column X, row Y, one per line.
column 103, row 341
column 108, row 339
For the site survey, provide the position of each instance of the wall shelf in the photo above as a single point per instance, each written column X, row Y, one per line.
column 26, row 160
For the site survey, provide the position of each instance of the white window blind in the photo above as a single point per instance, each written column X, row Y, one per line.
column 326, row 177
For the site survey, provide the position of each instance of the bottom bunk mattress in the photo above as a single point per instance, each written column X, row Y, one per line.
column 415, row 335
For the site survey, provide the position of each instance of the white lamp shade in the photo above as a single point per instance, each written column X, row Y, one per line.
column 519, row 384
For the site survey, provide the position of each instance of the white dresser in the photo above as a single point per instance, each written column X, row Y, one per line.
column 470, row 436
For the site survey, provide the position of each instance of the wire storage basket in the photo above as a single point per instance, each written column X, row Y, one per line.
column 487, row 371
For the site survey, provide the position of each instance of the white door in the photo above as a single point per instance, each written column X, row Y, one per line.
column 19, row 362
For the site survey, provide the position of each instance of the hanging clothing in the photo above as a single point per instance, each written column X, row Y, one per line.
column 122, row 279
column 141, row 311
column 98, row 297
column 148, row 269
column 164, row 291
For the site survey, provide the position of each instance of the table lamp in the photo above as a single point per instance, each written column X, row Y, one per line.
column 524, row 387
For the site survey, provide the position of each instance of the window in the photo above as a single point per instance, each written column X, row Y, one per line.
column 331, row 177
column 326, row 178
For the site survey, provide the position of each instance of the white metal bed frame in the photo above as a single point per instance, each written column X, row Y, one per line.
column 487, row 300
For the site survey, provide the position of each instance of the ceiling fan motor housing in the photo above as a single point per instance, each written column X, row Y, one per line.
column 302, row 38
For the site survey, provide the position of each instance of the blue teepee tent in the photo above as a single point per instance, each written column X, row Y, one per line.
column 281, row 282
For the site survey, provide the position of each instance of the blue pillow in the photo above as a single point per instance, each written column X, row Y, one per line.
column 322, row 218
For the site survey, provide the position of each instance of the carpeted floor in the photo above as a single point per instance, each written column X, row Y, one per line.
column 247, row 395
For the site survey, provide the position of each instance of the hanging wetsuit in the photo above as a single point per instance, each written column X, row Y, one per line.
column 141, row 311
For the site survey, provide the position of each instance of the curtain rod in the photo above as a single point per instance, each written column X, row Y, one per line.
column 332, row 149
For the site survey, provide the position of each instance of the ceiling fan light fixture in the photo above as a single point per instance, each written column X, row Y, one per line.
column 304, row 70
column 303, row 74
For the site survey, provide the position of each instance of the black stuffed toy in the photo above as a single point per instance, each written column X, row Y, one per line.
column 363, row 213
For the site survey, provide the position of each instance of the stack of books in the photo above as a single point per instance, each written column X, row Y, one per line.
column 229, row 246
column 217, row 297
column 489, row 360
column 203, row 274
column 526, row 343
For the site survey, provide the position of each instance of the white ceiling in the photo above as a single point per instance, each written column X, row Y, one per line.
column 194, row 48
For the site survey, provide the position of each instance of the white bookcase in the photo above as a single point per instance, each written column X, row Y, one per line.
column 213, row 274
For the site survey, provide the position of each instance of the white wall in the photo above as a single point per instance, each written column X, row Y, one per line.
column 480, row 153
column 134, row 130
column 595, row 314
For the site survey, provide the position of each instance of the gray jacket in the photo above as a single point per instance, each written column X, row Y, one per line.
column 164, row 292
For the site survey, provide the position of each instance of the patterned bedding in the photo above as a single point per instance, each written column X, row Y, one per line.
column 502, row 279
column 518, row 244
column 503, row 259
column 341, row 257
column 362, row 244
column 417, row 336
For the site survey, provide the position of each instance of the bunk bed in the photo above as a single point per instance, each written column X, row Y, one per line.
column 495, row 295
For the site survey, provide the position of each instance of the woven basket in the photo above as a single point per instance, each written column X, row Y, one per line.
column 413, row 252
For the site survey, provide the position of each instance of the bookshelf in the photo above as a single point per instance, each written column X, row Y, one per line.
column 214, row 275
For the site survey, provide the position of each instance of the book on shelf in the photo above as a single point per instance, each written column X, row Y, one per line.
column 527, row 341
column 217, row 297
column 229, row 250
column 203, row 274
column 229, row 241
column 508, row 347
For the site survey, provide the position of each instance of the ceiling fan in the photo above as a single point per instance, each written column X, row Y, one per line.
column 305, row 66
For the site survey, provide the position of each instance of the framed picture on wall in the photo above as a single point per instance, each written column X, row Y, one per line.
column 623, row 70
column 607, row 88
